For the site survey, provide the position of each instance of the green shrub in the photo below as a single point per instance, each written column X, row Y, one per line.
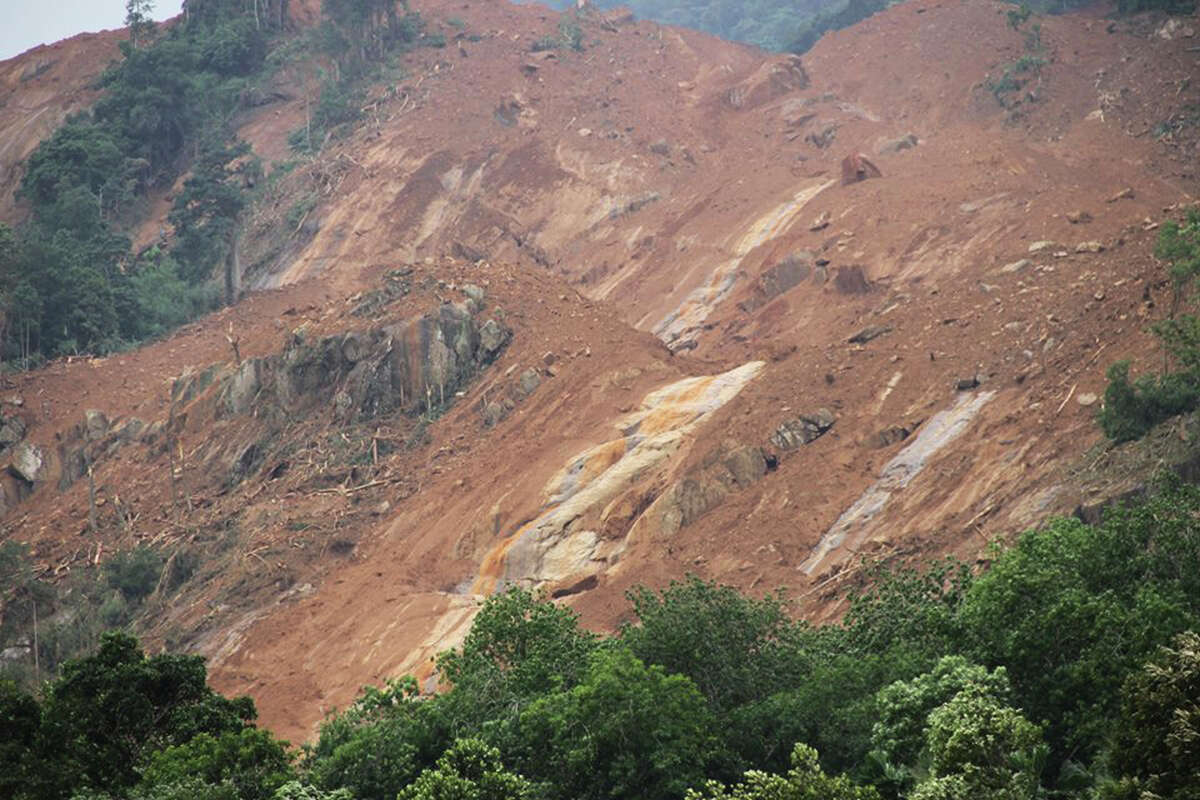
column 1131, row 409
column 134, row 573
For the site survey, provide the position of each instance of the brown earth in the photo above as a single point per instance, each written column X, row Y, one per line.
column 660, row 183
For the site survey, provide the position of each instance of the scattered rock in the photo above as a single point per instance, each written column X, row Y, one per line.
column 779, row 76
column 823, row 138
column 967, row 384
column 1173, row 28
column 907, row 142
column 1016, row 266
column 1124, row 194
column 28, row 462
column 890, row 435
column 802, row 429
column 1042, row 246
column 1078, row 217
column 821, row 222
column 746, row 465
column 661, row 148
column 868, row 333
column 1089, row 247
column 14, row 399
column 1086, row 399
column 354, row 347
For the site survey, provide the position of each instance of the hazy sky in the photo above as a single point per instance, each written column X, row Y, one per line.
column 28, row 23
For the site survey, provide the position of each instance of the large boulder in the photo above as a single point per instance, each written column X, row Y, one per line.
column 28, row 462
column 492, row 338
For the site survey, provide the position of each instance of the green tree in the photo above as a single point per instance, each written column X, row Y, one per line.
column 626, row 731
column 139, row 21
column 804, row 781
column 108, row 713
column 205, row 213
column 380, row 744
column 521, row 646
column 1131, row 409
column 1156, row 744
column 20, row 719
column 469, row 770
column 295, row 790
column 981, row 749
column 743, row 654
column 1072, row 609
column 251, row 761
column 898, row 739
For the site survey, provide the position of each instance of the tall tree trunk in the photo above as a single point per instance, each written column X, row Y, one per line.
column 233, row 272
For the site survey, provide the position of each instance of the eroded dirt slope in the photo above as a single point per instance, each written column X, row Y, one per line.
column 583, row 320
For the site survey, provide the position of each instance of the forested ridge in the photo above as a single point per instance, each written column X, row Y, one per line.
column 796, row 25
column 70, row 281
column 1069, row 667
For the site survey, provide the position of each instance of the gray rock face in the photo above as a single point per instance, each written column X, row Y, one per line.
column 28, row 462
column 781, row 277
column 492, row 339
column 411, row 366
column 12, row 431
column 802, row 430
column 476, row 293
column 529, row 381
column 95, row 425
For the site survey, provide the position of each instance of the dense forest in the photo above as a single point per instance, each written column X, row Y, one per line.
column 70, row 281
column 1068, row 668
column 796, row 25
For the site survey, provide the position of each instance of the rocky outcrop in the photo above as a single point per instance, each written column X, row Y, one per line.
column 729, row 468
column 801, row 430
column 787, row 274
column 613, row 481
column 775, row 78
column 12, row 431
column 413, row 367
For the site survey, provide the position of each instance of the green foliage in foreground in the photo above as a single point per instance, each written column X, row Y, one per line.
column 1070, row 668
